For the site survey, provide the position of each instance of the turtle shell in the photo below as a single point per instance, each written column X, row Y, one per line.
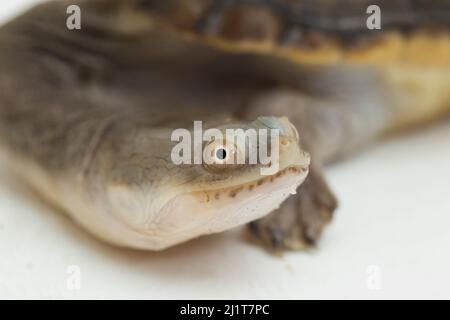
column 317, row 31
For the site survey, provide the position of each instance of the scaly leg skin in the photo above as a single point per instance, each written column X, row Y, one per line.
column 300, row 220
column 327, row 130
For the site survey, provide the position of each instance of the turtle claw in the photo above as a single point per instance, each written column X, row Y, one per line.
column 299, row 222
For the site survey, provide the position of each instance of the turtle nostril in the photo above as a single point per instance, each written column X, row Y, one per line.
column 285, row 142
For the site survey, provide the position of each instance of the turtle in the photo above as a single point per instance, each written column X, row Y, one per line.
column 88, row 114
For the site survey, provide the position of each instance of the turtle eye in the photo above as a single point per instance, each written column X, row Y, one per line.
column 219, row 155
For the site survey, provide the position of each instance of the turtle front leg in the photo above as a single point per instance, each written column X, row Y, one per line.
column 299, row 222
column 328, row 129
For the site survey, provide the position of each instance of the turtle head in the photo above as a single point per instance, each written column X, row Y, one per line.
column 210, row 181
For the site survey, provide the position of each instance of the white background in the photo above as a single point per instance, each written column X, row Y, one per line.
column 393, row 223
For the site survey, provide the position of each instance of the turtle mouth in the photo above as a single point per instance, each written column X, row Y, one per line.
column 190, row 215
column 254, row 186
